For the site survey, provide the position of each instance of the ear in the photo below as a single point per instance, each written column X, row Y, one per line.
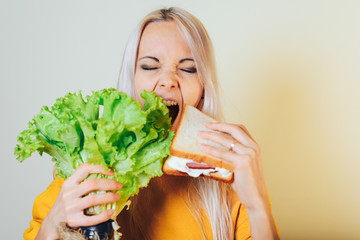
column 201, row 102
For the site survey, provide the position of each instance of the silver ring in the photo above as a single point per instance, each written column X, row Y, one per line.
column 232, row 146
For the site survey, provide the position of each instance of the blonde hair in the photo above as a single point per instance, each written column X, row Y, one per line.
column 206, row 196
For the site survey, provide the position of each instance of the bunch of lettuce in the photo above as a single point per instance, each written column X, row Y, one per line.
column 132, row 141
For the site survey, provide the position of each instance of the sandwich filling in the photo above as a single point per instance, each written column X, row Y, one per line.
column 195, row 169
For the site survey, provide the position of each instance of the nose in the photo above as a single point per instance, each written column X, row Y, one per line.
column 168, row 79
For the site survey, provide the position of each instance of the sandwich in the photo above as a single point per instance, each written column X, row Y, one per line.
column 186, row 157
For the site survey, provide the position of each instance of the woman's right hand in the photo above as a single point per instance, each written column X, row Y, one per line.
column 70, row 204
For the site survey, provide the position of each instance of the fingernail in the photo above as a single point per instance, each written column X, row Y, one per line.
column 209, row 124
column 110, row 172
column 110, row 212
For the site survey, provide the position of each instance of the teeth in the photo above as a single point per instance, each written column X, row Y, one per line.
column 169, row 103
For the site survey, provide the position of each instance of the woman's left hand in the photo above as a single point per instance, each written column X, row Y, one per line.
column 244, row 154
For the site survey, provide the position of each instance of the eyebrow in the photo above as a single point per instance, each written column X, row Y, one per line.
column 157, row 60
column 153, row 58
column 186, row 59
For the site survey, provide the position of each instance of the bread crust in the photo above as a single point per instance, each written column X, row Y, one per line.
column 197, row 157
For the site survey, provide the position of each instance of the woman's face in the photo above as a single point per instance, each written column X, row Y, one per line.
column 165, row 65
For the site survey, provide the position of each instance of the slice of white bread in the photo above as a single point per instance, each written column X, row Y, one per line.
column 186, row 144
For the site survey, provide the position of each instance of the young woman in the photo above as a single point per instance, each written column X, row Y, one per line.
column 170, row 53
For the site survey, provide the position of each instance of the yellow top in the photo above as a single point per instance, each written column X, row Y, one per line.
column 174, row 221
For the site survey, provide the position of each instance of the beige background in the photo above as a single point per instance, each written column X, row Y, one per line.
column 289, row 71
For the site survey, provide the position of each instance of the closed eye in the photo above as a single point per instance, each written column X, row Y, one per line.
column 189, row 70
column 145, row 67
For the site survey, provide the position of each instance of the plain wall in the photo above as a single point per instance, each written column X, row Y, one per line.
column 289, row 71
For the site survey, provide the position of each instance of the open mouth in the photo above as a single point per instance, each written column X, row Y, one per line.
column 173, row 109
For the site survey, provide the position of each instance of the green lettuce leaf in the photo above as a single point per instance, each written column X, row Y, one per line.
column 126, row 138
